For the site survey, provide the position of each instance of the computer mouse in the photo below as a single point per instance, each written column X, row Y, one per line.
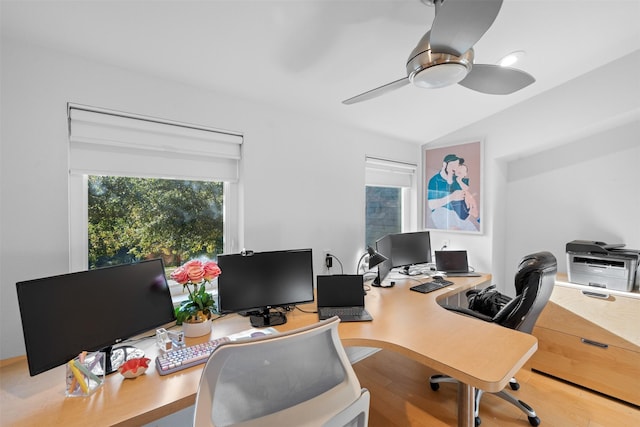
column 437, row 277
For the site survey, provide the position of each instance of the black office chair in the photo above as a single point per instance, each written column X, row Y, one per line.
column 534, row 282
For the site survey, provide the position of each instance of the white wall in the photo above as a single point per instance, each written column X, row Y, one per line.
column 302, row 185
column 558, row 167
column 583, row 190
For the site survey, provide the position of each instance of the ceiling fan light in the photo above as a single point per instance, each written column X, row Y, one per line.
column 440, row 75
column 512, row 58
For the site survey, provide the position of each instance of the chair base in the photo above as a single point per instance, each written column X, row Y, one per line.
column 436, row 380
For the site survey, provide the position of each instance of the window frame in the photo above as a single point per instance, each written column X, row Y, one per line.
column 79, row 221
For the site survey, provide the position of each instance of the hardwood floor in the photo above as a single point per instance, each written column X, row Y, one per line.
column 401, row 396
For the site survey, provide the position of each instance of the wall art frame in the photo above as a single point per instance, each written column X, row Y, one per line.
column 452, row 196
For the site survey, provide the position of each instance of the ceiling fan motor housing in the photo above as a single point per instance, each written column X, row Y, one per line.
column 432, row 70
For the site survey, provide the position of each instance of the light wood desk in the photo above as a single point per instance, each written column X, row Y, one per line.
column 476, row 353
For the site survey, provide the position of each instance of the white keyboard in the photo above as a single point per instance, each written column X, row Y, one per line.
column 186, row 357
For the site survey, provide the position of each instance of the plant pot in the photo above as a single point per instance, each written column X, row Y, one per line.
column 199, row 329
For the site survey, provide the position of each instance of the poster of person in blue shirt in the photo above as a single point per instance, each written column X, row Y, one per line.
column 453, row 177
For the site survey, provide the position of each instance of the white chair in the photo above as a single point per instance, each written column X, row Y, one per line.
column 297, row 378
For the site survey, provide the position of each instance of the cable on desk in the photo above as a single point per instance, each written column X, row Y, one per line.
column 306, row 311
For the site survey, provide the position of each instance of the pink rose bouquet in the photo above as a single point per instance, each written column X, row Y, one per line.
column 200, row 304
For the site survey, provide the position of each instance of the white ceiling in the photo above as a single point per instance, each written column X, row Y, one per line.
column 309, row 55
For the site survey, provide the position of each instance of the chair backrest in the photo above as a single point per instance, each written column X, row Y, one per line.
column 302, row 377
column 534, row 283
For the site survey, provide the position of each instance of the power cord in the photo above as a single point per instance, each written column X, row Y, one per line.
column 328, row 262
column 306, row 311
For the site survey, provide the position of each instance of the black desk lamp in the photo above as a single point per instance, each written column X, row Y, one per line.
column 375, row 258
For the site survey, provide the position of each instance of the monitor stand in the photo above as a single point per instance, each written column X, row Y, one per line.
column 116, row 357
column 267, row 317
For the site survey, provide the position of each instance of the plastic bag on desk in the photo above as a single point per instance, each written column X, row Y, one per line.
column 487, row 301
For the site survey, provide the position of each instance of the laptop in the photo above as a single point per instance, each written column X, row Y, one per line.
column 342, row 295
column 454, row 264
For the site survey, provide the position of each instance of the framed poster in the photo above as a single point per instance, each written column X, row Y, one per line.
column 453, row 183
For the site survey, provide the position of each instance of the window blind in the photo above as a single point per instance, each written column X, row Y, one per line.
column 389, row 173
column 104, row 142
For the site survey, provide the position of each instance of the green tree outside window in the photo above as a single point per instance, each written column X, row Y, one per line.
column 138, row 218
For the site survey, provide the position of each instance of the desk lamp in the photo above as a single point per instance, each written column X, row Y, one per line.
column 375, row 258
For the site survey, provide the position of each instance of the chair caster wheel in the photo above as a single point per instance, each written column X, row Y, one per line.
column 478, row 421
column 534, row 421
column 514, row 386
column 434, row 386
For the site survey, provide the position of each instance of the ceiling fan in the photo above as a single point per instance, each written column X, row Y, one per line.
column 444, row 55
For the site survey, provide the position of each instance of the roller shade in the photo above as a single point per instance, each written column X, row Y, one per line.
column 389, row 173
column 103, row 142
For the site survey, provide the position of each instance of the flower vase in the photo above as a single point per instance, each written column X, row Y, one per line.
column 198, row 329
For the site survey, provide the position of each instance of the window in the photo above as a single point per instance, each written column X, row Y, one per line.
column 390, row 198
column 158, row 163
column 383, row 212
column 137, row 218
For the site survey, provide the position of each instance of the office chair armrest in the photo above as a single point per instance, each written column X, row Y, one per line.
column 467, row 312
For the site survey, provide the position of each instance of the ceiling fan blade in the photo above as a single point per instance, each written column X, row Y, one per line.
column 496, row 80
column 373, row 93
column 459, row 24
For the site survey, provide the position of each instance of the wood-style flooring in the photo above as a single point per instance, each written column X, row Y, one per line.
column 401, row 396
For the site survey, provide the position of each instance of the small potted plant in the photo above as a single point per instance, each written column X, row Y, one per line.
column 194, row 314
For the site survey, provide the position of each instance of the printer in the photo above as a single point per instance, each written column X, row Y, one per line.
column 602, row 265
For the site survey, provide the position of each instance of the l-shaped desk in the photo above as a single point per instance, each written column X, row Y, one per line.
column 478, row 354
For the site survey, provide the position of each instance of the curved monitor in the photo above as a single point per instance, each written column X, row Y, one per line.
column 92, row 310
column 260, row 281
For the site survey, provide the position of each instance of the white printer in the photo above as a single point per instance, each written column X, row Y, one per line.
column 602, row 265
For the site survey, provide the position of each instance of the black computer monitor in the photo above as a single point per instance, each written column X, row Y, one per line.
column 383, row 247
column 409, row 249
column 257, row 282
column 92, row 310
